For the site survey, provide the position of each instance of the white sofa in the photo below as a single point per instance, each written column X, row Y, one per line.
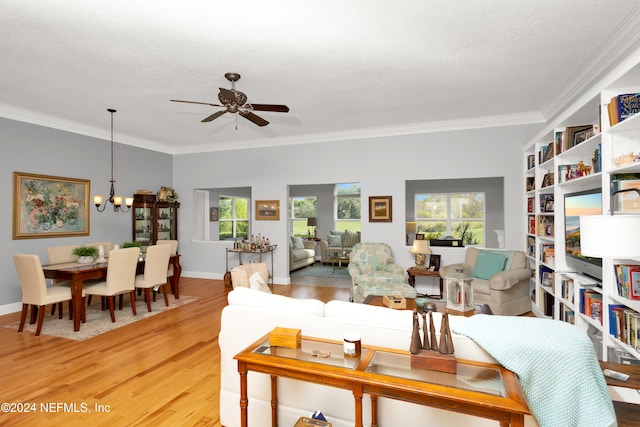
column 252, row 314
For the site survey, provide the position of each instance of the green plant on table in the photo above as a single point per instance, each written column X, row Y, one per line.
column 131, row 245
column 85, row 251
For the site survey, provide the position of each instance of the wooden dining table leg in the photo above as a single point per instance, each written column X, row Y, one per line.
column 76, row 298
column 175, row 279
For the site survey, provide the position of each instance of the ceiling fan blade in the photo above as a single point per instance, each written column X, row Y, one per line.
column 270, row 107
column 253, row 118
column 213, row 116
column 194, row 102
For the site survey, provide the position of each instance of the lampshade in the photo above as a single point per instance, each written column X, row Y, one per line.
column 610, row 236
column 312, row 222
column 420, row 247
column 411, row 227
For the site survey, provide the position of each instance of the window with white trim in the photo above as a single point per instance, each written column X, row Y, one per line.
column 461, row 215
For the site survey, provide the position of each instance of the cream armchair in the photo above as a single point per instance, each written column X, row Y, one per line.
column 500, row 279
column 240, row 274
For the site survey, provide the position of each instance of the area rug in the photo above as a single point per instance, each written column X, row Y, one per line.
column 98, row 321
column 324, row 271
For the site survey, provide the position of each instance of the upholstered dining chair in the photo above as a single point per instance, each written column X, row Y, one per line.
column 35, row 292
column 155, row 272
column 121, row 277
column 60, row 255
column 173, row 244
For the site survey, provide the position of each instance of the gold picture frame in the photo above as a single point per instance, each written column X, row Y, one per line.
column 49, row 206
column 380, row 209
column 268, row 210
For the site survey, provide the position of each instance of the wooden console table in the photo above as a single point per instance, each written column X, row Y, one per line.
column 478, row 389
column 413, row 272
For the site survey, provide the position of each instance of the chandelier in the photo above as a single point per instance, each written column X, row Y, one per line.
column 116, row 201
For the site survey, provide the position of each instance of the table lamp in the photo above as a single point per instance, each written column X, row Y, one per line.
column 420, row 249
column 611, row 236
column 312, row 222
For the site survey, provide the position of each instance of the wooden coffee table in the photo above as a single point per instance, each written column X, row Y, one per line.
column 441, row 306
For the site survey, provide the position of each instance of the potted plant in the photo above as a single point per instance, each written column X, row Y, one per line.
column 85, row 254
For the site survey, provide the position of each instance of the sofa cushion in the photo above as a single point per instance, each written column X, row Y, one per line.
column 257, row 282
column 373, row 316
column 488, row 264
column 301, row 254
column 297, row 242
column 349, row 239
column 252, row 298
column 334, row 240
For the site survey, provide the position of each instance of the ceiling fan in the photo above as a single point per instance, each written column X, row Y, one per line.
column 235, row 101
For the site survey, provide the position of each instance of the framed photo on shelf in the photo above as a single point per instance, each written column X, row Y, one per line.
column 635, row 283
column 268, row 210
column 214, row 214
column 49, row 206
column 434, row 262
column 380, row 209
column 419, row 236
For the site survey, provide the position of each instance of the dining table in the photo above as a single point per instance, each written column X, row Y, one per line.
column 77, row 273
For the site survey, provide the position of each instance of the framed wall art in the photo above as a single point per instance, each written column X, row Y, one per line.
column 49, row 206
column 434, row 262
column 214, row 214
column 268, row 210
column 380, row 209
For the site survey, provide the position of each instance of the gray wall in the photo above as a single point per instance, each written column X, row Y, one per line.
column 381, row 165
column 41, row 150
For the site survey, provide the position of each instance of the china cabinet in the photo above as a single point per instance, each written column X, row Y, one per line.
column 154, row 220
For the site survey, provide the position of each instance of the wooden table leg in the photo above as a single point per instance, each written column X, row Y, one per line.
column 357, row 397
column 412, row 280
column 244, row 400
column 274, row 401
column 76, row 299
column 374, row 410
column 175, row 279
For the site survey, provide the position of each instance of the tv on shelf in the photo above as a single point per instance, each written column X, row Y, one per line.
column 588, row 202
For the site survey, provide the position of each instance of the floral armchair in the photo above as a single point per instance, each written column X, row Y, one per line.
column 373, row 272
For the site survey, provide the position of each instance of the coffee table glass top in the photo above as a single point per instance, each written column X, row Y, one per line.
column 481, row 379
column 324, row 353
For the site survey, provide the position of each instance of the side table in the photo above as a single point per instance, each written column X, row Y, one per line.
column 414, row 271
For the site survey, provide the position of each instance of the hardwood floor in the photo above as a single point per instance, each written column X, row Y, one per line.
column 162, row 371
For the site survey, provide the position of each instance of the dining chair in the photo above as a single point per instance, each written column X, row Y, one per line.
column 173, row 244
column 121, row 277
column 35, row 292
column 60, row 255
column 155, row 272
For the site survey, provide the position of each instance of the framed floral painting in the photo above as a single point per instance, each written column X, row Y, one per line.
column 49, row 206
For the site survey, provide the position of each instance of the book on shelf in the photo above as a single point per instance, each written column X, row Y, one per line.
column 547, row 180
column 558, row 138
column 530, row 204
column 567, row 289
column 532, row 225
column 623, row 106
column 591, row 304
column 531, row 161
column 547, row 253
column 628, row 280
column 566, row 314
column 531, row 246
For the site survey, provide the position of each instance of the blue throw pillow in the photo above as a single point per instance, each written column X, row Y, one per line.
column 488, row 264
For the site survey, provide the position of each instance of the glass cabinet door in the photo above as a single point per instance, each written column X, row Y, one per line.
column 143, row 225
column 167, row 221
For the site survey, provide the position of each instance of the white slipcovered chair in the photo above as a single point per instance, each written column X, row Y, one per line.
column 35, row 292
column 241, row 274
column 155, row 272
column 121, row 277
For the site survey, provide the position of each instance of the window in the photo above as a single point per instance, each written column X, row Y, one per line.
column 234, row 217
column 347, row 202
column 461, row 215
column 300, row 209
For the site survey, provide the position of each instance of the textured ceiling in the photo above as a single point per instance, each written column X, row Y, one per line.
column 345, row 69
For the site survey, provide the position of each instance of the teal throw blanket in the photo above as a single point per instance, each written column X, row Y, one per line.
column 555, row 362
